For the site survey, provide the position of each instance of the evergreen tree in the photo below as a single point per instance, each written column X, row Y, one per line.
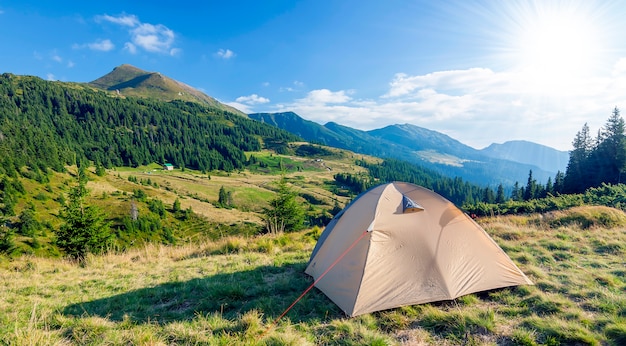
column 28, row 224
column 284, row 213
column 611, row 150
column 224, row 198
column 488, row 196
column 549, row 189
column 604, row 161
column 530, row 191
column 576, row 174
column 85, row 229
column 7, row 237
column 517, row 194
column 176, row 206
column 559, row 182
column 500, row 197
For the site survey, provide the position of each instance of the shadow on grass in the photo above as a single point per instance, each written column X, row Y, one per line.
column 269, row 290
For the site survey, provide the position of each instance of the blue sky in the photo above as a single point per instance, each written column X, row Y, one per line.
column 481, row 72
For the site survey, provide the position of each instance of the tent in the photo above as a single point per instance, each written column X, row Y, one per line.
column 400, row 244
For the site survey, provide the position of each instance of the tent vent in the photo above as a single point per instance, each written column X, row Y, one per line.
column 409, row 206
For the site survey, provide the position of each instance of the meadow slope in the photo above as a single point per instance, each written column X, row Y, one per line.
column 230, row 291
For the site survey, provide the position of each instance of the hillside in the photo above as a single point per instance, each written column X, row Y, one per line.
column 172, row 207
column 230, row 291
column 52, row 124
column 128, row 80
column 429, row 149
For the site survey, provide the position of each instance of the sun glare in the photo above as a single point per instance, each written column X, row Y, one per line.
column 554, row 45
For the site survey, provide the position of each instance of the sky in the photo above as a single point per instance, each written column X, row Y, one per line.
column 480, row 72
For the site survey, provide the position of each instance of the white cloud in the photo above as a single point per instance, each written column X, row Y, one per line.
column 124, row 20
column 477, row 106
column 154, row 38
column 253, row 99
column 324, row 96
column 225, row 54
column 473, row 78
column 240, row 106
column 131, row 48
column 70, row 64
column 101, row 45
column 56, row 58
column 50, row 77
column 297, row 84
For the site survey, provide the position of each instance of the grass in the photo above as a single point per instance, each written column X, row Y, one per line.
column 231, row 290
column 114, row 193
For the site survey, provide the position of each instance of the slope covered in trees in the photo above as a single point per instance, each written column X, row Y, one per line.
column 51, row 124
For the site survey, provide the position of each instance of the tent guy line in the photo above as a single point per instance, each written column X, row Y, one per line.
column 315, row 282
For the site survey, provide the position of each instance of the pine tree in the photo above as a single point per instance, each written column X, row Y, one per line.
column 531, row 187
column 176, row 206
column 500, row 198
column 576, row 175
column 224, row 198
column 85, row 229
column 517, row 193
column 284, row 213
column 559, row 182
column 612, row 149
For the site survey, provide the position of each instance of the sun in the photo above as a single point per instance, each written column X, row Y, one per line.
column 555, row 46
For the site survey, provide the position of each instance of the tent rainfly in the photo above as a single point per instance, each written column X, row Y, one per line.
column 407, row 245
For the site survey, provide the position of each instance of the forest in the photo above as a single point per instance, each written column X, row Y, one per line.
column 52, row 124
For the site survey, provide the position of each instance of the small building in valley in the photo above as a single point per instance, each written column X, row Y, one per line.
column 168, row 167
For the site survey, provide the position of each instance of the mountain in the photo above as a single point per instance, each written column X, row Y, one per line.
column 300, row 127
column 128, row 80
column 332, row 134
column 420, row 139
column 539, row 155
column 414, row 144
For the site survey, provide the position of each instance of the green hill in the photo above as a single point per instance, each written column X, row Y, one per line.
column 52, row 124
column 127, row 80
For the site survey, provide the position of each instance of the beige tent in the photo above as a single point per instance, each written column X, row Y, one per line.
column 400, row 244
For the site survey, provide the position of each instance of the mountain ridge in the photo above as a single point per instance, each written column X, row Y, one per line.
column 415, row 144
column 128, row 80
column 529, row 152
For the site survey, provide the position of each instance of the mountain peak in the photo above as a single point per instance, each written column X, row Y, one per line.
column 128, row 80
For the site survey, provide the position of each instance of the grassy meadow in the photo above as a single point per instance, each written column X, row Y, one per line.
column 230, row 291
column 119, row 189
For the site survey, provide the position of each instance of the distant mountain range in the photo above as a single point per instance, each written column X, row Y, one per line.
column 505, row 163
column 127, row 80
column 539, row 155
